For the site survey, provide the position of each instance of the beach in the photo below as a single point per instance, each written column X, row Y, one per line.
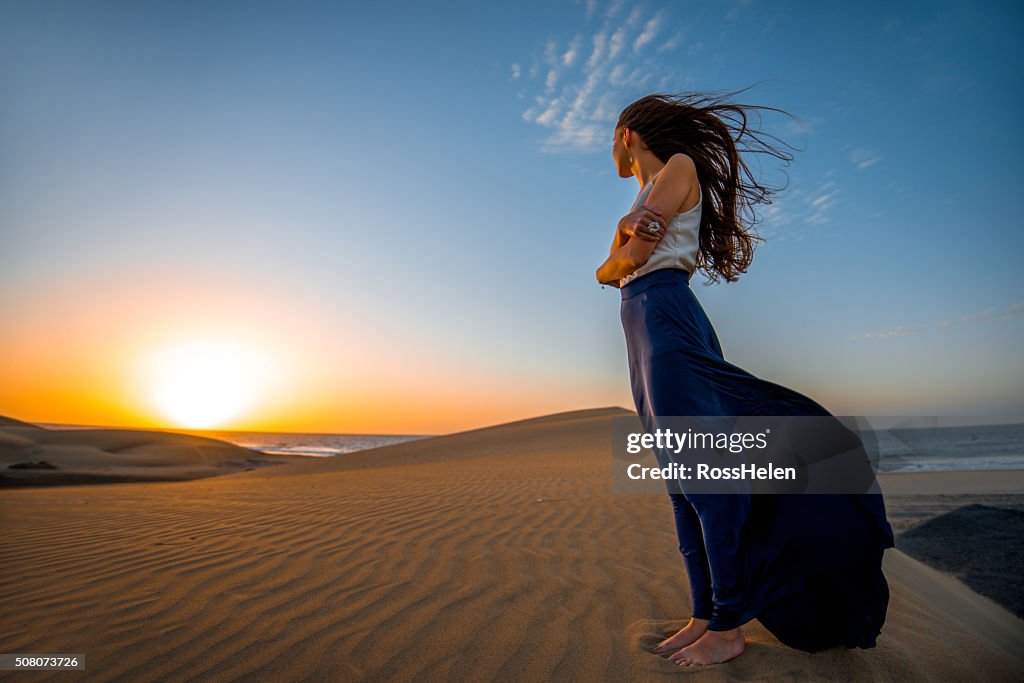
column 498, row 553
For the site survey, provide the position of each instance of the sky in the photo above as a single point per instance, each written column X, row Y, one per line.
column 386, row 217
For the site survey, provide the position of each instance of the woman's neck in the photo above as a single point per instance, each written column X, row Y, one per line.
column 644, row 171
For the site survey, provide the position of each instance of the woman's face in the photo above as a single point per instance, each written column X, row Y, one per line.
column 620, row 154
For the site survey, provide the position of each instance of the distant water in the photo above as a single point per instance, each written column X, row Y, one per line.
column 933, row 449
column 286, row 443
column 942, row 449
column 311, row 445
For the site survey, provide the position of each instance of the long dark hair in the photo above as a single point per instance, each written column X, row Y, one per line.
column 714, row 133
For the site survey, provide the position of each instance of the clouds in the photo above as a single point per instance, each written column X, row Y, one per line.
column 800, row 208
column 987, row 314
column 804, row 125
column 674, row 41
column 569, row 58
column 863, row 158
column 898, row 331
column 651, row 29
column 1009, row 312
column 598, row 50
column 584, row 77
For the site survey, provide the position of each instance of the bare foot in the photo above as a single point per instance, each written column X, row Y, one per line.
column 713, row 647
column 683, row 637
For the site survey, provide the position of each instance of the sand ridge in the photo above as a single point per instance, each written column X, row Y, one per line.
column 85, row 456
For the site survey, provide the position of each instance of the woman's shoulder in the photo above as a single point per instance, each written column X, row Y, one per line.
column 682, row 161
column 680, row 168
column 680, row 172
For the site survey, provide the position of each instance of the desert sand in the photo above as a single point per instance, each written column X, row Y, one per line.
column 88, row 456
column 492, row 554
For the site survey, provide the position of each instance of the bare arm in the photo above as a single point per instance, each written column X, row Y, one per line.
column 620, row 239
column 671, row 188
column 624, row 260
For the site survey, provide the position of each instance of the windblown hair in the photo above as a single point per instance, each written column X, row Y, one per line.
column 714, row 133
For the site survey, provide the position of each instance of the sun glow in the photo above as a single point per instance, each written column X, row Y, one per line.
column 202, row 384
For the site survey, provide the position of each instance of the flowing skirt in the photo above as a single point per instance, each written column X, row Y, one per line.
column 807, row 566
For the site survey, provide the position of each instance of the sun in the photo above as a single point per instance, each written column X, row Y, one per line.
column 201, row 384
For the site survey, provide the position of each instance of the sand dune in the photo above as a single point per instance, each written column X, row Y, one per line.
column 84, row 456
column 492, row 554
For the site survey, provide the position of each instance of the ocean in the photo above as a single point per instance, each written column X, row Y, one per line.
column 310, row 445
column 943, row 449
column 927, row 449
column 284, row 443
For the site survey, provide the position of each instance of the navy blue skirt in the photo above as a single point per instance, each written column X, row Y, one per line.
column 807, row 566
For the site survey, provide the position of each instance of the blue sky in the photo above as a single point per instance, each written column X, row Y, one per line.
column 429, row 187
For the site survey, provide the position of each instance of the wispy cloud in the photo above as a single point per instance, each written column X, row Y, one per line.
column 795, row 211
column 804, row 125
column 672, row 42
column 569, row 58
column 734, row 12
column 553, row 61
column 613, row 8
column 898, row 331
column 651, row 29
column 862, row 158
column 989, row 313
column 1015, row 309
column 618, row 40
column 585, row 76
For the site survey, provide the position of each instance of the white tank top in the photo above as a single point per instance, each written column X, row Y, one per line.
column 679, row 246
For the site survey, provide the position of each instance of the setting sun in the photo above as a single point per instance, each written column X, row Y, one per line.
column 205, row 383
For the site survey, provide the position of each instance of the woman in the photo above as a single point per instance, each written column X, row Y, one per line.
column 807, row 566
